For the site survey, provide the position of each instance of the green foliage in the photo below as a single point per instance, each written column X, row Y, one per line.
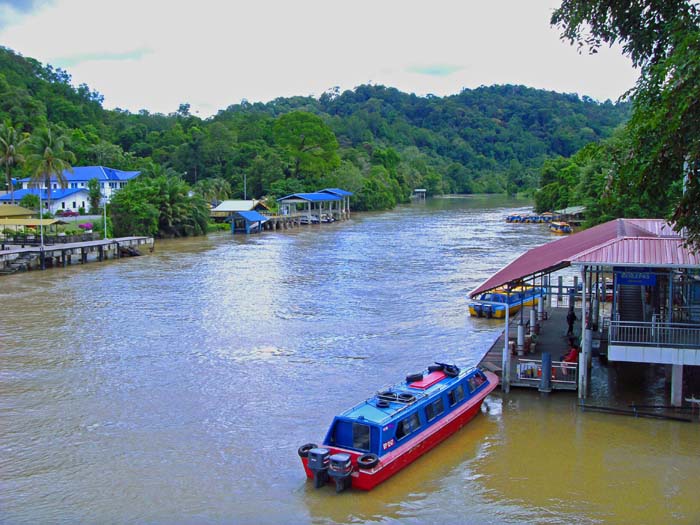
column 159, row 205
column 375, row 141
column 30, row 201
column 11, row 143
column 662, row 140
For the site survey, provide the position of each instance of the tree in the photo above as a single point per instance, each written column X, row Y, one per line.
column 662, row 37
column 159, row 205
column 94, row 195
column 30, row 201
column 310, row 144
column 49, row 158
column 11, row 142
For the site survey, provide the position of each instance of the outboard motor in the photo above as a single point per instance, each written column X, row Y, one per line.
column 318, row 464
column 340, row 470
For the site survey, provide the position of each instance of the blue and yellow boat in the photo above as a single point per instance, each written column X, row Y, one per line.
column 493, row 304
column 560, row 228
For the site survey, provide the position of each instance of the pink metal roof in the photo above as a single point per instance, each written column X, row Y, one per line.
column 560, row 253
column 663, row 251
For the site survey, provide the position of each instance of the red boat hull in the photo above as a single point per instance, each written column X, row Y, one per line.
column 394, row 461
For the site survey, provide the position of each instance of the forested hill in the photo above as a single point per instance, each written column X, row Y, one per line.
column 374, row 140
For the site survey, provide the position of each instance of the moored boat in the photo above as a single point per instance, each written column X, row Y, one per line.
column 494, row 303
column 559, row 227
column 370, row 442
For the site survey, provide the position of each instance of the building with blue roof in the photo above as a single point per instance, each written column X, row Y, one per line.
column 110, row 180
column 321, row 206
column 61, row 199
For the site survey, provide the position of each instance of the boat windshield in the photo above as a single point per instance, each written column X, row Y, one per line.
column 349, row 434
column 493, row 298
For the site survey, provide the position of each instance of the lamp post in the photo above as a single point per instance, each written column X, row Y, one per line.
column 245, row 187
column 41, row 231
column 104, row 213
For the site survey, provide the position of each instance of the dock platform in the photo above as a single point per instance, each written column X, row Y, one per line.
column 525, row 369
column 25, row 257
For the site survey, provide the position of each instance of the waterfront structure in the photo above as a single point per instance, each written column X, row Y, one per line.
column 228, row 207
column 321, row 206
column 61, row 199
column 655, row 311
column 109, row 179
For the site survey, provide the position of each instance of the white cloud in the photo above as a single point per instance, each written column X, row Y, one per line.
column 156, row 54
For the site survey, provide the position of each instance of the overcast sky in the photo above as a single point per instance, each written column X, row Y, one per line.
column 156, row 54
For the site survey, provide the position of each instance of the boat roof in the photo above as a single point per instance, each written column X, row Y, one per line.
column 424, row 390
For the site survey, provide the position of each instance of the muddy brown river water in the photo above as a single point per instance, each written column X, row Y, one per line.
column 176, row 387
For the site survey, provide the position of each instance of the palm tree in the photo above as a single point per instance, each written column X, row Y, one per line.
column 50, row 158
column 11, row 143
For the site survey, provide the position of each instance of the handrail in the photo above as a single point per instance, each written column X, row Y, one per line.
column 562, row 372
column 655, row 333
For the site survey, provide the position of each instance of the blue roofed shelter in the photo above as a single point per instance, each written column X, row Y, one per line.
column 247, row 221
column 321, row 206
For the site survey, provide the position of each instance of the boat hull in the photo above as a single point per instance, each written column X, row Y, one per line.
column 499, row 311
column 391, row 463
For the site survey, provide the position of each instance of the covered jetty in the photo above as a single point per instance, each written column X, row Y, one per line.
column 654, row 314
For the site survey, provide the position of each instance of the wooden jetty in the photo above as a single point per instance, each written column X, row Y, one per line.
column 31, row 256
column 525, row 364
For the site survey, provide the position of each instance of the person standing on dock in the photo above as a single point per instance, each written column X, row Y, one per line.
column 570, row 318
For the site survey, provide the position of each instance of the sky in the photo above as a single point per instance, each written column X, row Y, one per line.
column 157, row 54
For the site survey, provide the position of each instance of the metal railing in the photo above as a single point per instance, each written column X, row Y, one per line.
column 661, row 334
column 531, row 370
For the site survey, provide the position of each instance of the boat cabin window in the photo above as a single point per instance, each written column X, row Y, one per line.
column 434, row 409
column 476, row 381
column 456, row 394
column 360, row 436
column 407, row 425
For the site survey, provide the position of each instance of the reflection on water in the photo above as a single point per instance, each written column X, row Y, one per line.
column 178, row 386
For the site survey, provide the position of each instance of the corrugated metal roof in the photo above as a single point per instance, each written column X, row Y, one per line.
column 236, row 205
column 101, row 173
column 310, row 197
column 55, row 194
column 640, row 251
column 252, row 216
column 10, row 210
column 571, row 210
column 337, row 191
column 560, row 253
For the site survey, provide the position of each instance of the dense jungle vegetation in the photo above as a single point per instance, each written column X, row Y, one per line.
column 375, row 141
column 650, row 167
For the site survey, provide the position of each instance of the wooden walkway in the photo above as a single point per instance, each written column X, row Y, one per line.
column 34, row 257
column 551, row 338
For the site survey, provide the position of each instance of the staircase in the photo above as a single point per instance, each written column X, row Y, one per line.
column 630, row 304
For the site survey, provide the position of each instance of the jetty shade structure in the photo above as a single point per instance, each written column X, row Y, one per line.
column 345, row 203
column 247, row 222
column 655, row 309
column 228, row 207
column 321, row 206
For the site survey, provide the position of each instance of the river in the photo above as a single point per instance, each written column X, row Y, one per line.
column 176, row 387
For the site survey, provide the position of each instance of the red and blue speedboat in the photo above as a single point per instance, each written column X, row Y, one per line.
column 373, row 440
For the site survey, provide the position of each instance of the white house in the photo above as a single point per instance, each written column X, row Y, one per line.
column 110, row 180
column 69, row 199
